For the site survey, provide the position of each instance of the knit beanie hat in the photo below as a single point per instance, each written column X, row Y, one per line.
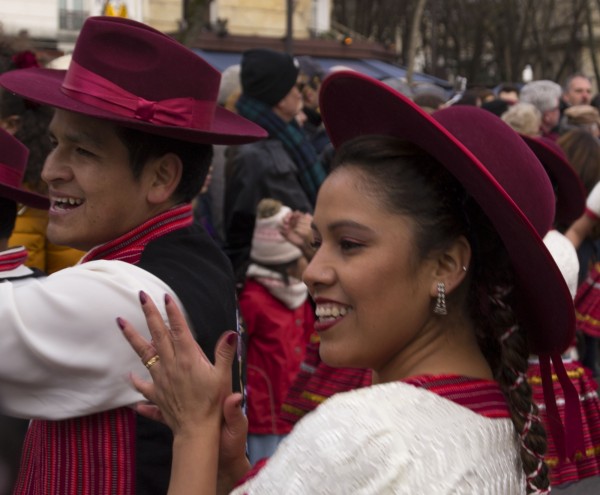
column 267, row 75
column 269, row 247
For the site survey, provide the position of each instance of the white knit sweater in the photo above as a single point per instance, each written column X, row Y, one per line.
column 393, row 438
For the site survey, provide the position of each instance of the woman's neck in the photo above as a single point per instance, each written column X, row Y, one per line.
column 450, row 349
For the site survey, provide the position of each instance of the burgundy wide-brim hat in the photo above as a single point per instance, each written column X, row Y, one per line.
column 570, row 193
column 133, row 75
column 13, row 162
column 495, row 167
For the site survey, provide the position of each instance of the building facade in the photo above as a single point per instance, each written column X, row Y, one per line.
column 309, row 18
column 56, row 23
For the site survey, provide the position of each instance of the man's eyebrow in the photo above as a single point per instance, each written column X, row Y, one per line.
column 82, row 137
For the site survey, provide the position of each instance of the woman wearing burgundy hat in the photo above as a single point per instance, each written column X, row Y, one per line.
column 430, row 270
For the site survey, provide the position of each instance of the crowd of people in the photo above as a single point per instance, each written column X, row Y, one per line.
column 282, row 279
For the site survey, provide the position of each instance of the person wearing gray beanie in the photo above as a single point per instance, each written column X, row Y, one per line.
column 545, row 96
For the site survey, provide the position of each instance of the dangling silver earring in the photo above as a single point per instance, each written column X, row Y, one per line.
column 440, row 304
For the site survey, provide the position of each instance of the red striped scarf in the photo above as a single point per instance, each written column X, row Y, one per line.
column 483, row 397
column 12, row 258
column 93, row 455
column 129, row 247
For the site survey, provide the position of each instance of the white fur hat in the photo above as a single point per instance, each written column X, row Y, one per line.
column 269, row 247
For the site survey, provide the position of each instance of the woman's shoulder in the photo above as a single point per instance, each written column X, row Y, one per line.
column 404, row 414
column 404, row 420
column 389, row 437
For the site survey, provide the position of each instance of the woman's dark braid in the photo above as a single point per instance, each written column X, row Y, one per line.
column 504, row 344
column 512, row 376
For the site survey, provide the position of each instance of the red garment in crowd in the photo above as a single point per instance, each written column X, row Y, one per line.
column 316, row 382
column 587, row 463
column 587, row 303
column 277, row 340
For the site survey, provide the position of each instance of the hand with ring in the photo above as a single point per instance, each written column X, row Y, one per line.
column 193, row 397
column 186, row 387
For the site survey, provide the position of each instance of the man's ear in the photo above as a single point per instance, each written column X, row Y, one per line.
column 164, row 176
column 452, row 265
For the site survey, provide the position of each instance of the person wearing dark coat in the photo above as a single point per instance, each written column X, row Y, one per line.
column 285, row 167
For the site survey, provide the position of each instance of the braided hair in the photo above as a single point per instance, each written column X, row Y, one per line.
column 503, row 341
column 410, row 182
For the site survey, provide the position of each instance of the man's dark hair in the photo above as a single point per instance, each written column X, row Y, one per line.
column 195, row 157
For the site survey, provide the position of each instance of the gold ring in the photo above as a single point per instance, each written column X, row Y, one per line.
column 152, row 361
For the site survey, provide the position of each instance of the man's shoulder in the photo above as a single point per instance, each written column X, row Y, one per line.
column 191, row 245
column 258, row 150
column 264, row 157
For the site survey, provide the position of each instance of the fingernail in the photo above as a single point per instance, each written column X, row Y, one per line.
column 121, row 323
column 143, row 297
column 168, row 299
column 232, row 338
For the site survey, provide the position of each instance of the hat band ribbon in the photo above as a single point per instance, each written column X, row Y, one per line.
column 90, row 88
column 9, row 176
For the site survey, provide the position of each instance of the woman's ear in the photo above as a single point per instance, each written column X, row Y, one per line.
column 452, row 265
column 165, row 175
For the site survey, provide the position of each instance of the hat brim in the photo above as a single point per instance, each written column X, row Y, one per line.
column 24, row 197
column 44, row 86
column 570, row 195
column 543, row 298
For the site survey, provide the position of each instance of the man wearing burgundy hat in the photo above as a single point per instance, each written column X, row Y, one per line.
column 132, row 133
column 284, row 167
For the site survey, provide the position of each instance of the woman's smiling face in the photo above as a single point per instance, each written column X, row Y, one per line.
column 372, row 291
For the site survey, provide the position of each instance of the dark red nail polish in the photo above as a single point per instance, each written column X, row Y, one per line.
column 121, row 323
column 143, row 297
column 232, row 338
column 168, row 299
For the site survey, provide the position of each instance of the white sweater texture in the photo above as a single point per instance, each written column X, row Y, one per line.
column 393, row 438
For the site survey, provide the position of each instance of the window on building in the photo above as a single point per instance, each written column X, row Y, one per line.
column 72, row 14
